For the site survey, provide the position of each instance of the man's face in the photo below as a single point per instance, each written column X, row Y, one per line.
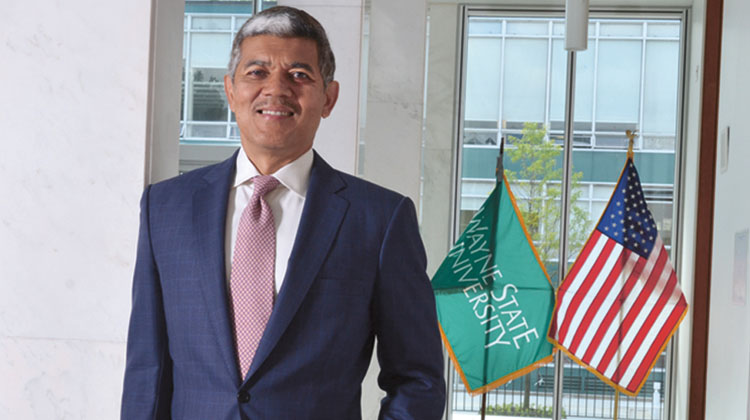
column 278, row 96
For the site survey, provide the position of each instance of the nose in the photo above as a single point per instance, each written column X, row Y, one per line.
column 277, row 84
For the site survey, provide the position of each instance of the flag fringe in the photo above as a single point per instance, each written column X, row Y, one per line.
column 609, row 381
column 499, row 382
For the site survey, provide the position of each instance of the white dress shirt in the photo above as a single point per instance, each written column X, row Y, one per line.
column 286, row 202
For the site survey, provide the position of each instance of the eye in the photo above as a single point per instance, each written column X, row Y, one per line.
column 298, row 75
column 256, row 73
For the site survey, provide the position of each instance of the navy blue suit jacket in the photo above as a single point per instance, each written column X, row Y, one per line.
column 356, row 272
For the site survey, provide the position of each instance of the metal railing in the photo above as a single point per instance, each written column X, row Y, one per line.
column 584, row 395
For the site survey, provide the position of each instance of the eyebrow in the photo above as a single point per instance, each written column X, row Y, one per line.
column 256, row 63
column 296, row 64
column 305, row 66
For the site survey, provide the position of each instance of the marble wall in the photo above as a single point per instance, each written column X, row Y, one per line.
column 73, row 115
column 392, row 135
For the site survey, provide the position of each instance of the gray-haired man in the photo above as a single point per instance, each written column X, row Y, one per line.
column 267, row 306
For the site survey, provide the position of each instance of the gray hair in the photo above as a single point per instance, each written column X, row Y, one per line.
column 286, row 22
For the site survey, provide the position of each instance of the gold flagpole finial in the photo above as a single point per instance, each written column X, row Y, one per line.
column 631, row 137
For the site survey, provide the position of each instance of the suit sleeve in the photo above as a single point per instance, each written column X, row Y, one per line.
column 147, row 389
column 409, row 347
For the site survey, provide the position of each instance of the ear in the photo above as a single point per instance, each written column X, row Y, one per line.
column 229, row 91
column 332, row 94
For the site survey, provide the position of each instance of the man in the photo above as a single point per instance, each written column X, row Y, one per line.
column 262, row 282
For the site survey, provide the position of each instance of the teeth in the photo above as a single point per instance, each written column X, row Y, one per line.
column 276, row 113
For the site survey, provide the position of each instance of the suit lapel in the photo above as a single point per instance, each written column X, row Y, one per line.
column 209, row 217
column 322, row 215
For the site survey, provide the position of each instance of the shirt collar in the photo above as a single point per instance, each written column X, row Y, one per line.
column 295, row 175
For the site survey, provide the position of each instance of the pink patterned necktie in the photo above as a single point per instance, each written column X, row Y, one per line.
column 251, row 283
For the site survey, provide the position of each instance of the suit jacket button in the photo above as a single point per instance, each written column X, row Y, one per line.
column 243, row 397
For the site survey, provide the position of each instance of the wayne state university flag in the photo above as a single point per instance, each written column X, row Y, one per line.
column 494, row 298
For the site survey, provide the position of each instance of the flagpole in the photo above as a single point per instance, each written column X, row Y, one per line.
column 484, row 405
column 631, row 139
column 576, row 39
column 617, row 404
column 565, row 215
column 499, row 166
column 499, row 178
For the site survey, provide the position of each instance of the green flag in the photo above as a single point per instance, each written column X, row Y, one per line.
column 494, row 298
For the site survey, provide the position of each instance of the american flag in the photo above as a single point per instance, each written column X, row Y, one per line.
column 620, row 303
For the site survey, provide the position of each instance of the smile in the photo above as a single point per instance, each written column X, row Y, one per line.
column 276, row 113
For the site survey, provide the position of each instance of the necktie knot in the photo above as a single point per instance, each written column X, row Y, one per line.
column 264, row 184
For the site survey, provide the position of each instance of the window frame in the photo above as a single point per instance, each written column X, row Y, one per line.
column 196, row 152
column 681, row 13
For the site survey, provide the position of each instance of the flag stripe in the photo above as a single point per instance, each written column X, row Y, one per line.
column 650, row 302
column 645, row 304
column 639, row 330
column 603, row 301
column 642, row 372
column 584, row 254
column 620, row 307
column 564, row 297
column 647, row 334
column 630, row 311
column 594, row 281
column 576, row 295
column 611, row 309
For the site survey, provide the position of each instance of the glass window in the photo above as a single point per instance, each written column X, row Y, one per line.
column 481, row 26
column 266, row 4
column 206, row 120
column 209, row 102
column 483, row 78
column 628, row 78
column 532, row 27
column 652, row 142
column 209, row 30
column 584, row 103
column 660, row 87
column 663, row 29
column 208, row 53
column 212, row 23
column 620, row 29
column 525, row 82
column 618, row 81
column 210, row 50
column 558, row 28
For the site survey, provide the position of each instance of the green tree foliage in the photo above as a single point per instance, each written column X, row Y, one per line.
column 537, row 187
